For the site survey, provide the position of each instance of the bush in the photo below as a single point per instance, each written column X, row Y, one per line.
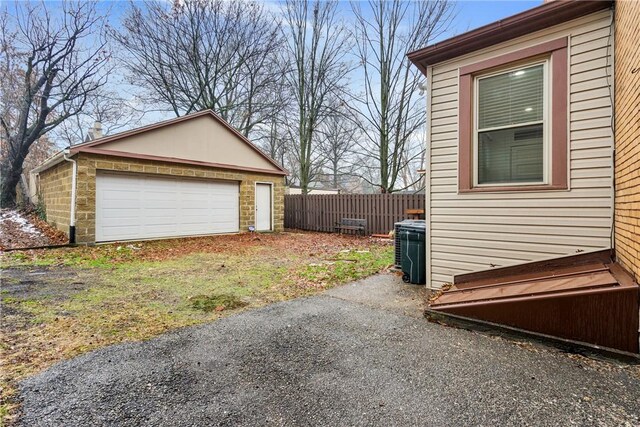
column 40, row 209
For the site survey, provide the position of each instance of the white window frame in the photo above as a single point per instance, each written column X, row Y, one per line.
column 546, row 139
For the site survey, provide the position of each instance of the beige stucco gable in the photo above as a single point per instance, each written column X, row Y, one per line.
column 200, row 139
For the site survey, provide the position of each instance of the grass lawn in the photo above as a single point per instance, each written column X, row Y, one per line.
column 60, row 303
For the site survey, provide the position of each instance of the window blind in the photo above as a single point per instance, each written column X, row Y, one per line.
column 511, row 98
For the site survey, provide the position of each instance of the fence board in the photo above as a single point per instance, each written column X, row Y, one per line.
column 321, row 212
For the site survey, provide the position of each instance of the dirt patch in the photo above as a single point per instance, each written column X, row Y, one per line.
column 24, row 229
column 40, row 283
column 59, row 303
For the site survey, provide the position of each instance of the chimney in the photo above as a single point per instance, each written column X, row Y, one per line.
column 97, row 130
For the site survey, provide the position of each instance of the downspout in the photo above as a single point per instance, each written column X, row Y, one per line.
column 611, row 79
column 425, row 87
column 72, row 216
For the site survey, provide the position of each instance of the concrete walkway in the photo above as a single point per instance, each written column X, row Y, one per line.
column 358, row 355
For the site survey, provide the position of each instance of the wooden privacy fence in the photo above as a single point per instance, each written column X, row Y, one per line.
column 321, row 212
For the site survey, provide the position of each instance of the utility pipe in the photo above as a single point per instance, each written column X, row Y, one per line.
column 425, row 88
column 72, row 219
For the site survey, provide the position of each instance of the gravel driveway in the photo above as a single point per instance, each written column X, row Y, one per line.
column 357, row 355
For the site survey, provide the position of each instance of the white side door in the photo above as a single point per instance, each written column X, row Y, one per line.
column 263, row 207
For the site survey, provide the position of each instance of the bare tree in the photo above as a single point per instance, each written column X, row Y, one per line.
column 273, row 135
column 316, row 53
column 51, row 65
column 339, row 133
column 275, row 141
column 205, row 54
column 111, row 109
column 391, row 109
column 39, row 151
column 410, row 175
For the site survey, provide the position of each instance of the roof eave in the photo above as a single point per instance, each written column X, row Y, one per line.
column 532, row 20
column 51, row 161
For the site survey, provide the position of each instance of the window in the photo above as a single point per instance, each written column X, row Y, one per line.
column 513, row 121
column 510, row 127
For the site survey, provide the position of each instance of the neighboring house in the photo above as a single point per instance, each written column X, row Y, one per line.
column 193, row 175
column 520, row 140
column 311, row 191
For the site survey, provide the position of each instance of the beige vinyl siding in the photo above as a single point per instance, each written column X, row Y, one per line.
column 472, row 232
column 201, row 139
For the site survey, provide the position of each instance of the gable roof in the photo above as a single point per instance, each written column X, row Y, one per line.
column 544, row 16
column 94, row 145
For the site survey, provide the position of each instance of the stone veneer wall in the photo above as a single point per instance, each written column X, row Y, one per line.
column 627, row 135
column 88, row 164
column 54, row 190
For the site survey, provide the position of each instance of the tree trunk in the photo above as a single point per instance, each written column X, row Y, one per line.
column 10, row 178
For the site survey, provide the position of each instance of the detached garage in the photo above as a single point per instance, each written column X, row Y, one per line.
column 190, row 176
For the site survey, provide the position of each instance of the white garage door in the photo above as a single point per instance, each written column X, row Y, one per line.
column 137, row 206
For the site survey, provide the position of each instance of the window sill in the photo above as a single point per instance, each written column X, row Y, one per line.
column 503, row 188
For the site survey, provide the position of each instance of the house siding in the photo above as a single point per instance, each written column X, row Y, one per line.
column 478, row 231
column 54, row 191
column 627, row 136
column 202, row 139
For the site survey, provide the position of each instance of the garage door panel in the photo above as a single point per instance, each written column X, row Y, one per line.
column 159, row 196
column 189, row 207
column 125, row 212
column 195, row 200
column 223, row 192
column 117, row 205
column 123, row 233
column 156, row 207
column 132, row 196
column 220, row 207
column 159, row 221
column 114, row 217
column 121, row 223
column 195, row 219
column 159, row 230
column 137, row 206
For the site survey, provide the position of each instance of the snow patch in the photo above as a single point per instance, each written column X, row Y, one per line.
column 10, row 215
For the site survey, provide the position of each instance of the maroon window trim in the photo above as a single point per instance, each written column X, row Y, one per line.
column 557, row 51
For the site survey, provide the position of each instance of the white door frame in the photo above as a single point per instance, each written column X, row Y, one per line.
column 255, row 204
